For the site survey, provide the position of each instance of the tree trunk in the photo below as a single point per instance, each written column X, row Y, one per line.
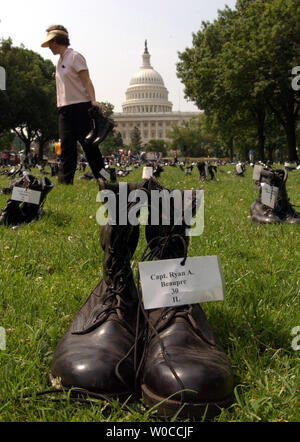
column 291, row 139
column 230, row 148
column 41, row 152
column 27, row 147
column 270, row 152
column 261, row 135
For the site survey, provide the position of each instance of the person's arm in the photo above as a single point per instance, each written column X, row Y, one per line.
column 87, row 83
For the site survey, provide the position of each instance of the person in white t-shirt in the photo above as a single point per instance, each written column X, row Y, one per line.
column 75, row 96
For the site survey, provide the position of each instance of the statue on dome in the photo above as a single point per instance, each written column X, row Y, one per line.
column 146, row 47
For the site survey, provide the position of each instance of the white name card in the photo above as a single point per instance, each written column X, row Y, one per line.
column 269, row 195
column 256, row 172
column 239, row 168
column 26, row 195
column 147, row 173
column 167, row 283
column 105, row 174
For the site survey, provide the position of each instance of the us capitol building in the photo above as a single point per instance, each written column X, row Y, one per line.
column 147, row 106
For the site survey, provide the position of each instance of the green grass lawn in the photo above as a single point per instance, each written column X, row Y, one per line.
column 49, row 268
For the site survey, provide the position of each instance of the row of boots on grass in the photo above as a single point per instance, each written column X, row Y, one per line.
column 114, row 347
column 283, row 211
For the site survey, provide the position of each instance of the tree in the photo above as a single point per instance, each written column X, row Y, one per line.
column 195, row 138
column 155, row 145
column 107, row 109
column 239, row 68
column 28, row 106
column 135, row 140
column 266, row 39
column 112, row 143
column 6, row 139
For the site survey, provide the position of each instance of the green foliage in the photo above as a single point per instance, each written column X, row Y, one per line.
column 239, row 70
column 196, row 137
column 6, row 139
column 157, row 146
column 107, row 108
column 28, row 106
column 135, row 140
column 112, row 143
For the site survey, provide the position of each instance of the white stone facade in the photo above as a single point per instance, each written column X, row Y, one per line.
column 147, row 106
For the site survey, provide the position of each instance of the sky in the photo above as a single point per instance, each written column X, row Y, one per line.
column 111, row 35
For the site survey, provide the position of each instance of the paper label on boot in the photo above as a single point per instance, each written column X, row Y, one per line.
column 26, row 195
column 167, row 283
column 239, row 168
column 269, row 195
column 105, row 174
column 256, row 172
column 147, row 173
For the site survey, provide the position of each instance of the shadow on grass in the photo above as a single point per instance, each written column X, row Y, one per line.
column 59, row 219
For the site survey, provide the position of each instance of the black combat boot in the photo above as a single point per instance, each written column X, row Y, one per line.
column 282, row 210
column 101, row 127
column 35, row 211
column 98, row 350
column 17, row 212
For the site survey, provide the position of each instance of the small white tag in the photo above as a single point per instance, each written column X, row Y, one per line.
column 26, row 195
column 239, row 168
column 166, row 283
column 269, row 195
column 105, row 174
column 256, row 172
column 147, row 172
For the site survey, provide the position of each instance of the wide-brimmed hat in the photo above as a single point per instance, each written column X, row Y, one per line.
column 51, row 35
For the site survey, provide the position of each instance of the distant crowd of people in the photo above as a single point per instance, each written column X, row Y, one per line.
column 9, row 158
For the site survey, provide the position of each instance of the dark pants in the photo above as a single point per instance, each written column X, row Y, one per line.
column 73, row 125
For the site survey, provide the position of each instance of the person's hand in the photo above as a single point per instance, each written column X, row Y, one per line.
column 98, row 105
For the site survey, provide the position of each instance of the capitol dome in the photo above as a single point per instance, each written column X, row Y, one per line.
column 146, row 91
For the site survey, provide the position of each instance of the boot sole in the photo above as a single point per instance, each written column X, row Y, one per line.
column 168, row 408
column 79, row 391
column 264, row 221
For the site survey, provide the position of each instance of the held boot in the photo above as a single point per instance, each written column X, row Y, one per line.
column 101, row 127
column 97, row 351
column 183, row 366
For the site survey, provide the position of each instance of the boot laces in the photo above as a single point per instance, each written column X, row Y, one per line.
column 166, row 314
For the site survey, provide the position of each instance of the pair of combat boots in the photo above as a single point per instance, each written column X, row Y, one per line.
column 114, row 347
column 283, row 211
column 18, row 212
